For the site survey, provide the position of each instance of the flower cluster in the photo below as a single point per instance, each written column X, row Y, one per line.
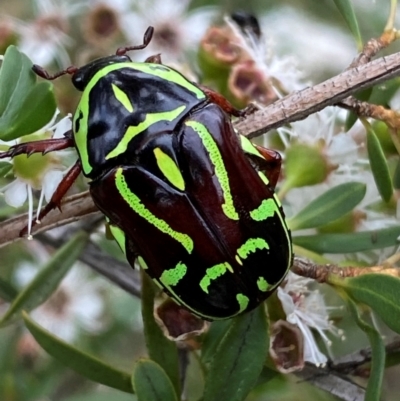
column 37, row 172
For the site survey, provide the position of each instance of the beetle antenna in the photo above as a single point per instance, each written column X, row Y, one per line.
column 146, row 40
column 41, row 72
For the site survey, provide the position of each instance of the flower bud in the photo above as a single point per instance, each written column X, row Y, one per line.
column 305, row 165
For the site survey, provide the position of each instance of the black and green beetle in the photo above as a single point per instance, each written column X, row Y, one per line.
column 183, row 193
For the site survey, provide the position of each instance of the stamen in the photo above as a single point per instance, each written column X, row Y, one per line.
column 30, row 211
column 39, row 206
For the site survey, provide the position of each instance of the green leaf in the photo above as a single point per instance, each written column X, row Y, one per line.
column 212, row 339
column 382, row 94
column 16, row 78
column 378, row 355
column 101, row 395
column 5, row 168
column 396, row 176
column 25, row 106
column 48, row 278
column 349, row 242
column 7, row 291
column 160, row 349
column 35, row 111
column 345, row 8
column 87, row 365
column 151, row 383
column 239, row 359
column 379, row 167
column 330, row 206
column 379, row 291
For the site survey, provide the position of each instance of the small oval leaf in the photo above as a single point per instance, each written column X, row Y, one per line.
column 150, row 382
column 378, row 355
column 5, row 168
column 212, row 339
column 331, row 205
column 239, row 358
column 35, row 111
column 345, row 8
column 16, row 79
column 160, row 349
column 48, row 278
column 379, row 167
column 25, row 107
column 7, row 291
column 87, row 365
column 349, row 242
column 379, row 291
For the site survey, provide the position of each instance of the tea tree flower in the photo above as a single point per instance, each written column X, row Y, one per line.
column 37, row 172
column 176, row 29
column 307, row 310
column 45, row 38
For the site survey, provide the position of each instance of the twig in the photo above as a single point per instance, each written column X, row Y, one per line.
column 321, row 273
column 373, row 47
column 299, row 105
column 73, row 208
column 336, row 385
column 378, row 112
column 119, row 273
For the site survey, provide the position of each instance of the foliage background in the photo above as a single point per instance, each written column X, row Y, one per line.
column 114, row 331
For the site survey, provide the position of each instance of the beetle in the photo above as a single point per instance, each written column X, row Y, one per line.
column 183, row 193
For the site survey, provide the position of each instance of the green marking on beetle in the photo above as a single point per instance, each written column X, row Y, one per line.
column 262, row 284
column 171, row 277
column 159, row 285
column 277, row 200
column 215, row 156
column 267, row 209
column 118, row 235
column 263, row 177
column 136, row 204
column 251, row 246
column 142, row 263
column 150, row 119
column 248, row 147
column 169, row 168
column 243, row 302
column 289, row 240
column 80, row 136
column 169, row 75
column 238, row 260
column 212, row 273
column 122, row 97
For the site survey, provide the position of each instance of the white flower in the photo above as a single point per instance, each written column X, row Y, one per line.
column 319, row 48
column 307, row 310
column 176, row 29
column 76, row 305
column 44, row 39
column 281, row 71
column 42, row 172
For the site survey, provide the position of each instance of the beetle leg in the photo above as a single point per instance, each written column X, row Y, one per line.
column 155, row 59
column 271, row 165
column 41, row 72
column 225, row 104
column 45, row 146
column 146, row 40
column 61, row 190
